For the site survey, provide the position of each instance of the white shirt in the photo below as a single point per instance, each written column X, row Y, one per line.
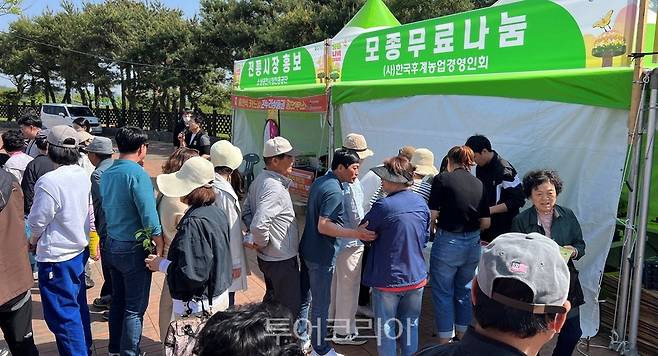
column 16, row 165
column 59, row 218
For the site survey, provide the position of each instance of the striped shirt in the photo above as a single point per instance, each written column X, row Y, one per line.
column 421, row 186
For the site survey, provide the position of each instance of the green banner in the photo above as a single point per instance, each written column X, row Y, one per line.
column 292, row 67
column 522, row 36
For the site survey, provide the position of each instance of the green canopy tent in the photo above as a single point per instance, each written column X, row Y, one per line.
column 289, row 88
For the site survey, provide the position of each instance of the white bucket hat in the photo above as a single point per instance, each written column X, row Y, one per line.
column 223, row 153
column 196, row 172
column 423, row 159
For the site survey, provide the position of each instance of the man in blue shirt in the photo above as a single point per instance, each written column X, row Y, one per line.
column 129, row 205
column 318, row 246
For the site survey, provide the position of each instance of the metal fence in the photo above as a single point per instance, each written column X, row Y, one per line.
column 218, row 125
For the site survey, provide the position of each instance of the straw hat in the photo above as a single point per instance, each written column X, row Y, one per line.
column 423, row 159
column 356, row 142
column 223, row 153
column 196, row 172
column 84, row 137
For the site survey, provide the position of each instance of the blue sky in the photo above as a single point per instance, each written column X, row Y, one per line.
column 36, row 7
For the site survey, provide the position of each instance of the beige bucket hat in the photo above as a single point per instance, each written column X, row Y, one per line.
column 423, row 159
column 196, row 172
column 356, row 142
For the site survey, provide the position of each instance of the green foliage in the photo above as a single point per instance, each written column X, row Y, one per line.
column 144, row 55
column 145, row 237
column 10, row 7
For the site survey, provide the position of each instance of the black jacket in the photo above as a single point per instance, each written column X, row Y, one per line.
column 501, row 185
column 200, row 142
column 34, row 170
column 200, row 256
column 565, row 230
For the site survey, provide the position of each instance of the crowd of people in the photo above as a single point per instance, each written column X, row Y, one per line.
column 500, row 279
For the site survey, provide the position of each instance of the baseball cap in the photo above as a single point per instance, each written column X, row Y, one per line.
column 356, row 142
column 276, row 146
column 102, row 145
column 196, row 172
column 223, row 153
column 532, row 259
column 63, row 136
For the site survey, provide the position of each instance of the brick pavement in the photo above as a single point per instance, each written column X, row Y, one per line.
column 151, row 339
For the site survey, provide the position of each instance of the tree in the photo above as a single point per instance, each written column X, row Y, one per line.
column 10, row 7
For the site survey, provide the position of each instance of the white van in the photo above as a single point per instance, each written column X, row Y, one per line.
column 64, row 114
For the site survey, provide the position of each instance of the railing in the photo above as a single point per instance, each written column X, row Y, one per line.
column 215, row 124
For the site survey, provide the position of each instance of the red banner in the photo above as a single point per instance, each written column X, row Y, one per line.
column 316, row 103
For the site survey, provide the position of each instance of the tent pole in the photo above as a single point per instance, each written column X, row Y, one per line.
column 637, row 68
column 643, row 216
column 330, row 120
column 619, row 341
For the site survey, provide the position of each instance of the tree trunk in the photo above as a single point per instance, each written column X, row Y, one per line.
column 67, row 92
column 83, row 95
column 107, row 92
column 123, row 88
column 50, row 93
column 88, row 96
column 164, row 99
column 130, row 90
column 96, row 95
column 183, row 94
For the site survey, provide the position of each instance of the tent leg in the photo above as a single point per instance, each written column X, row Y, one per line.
column 643, row 217
column 619, row 341
column 332, row 129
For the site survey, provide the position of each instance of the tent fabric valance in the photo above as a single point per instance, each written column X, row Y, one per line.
column 606, row 87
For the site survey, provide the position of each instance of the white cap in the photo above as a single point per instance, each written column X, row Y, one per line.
column 276, row 146
column 196, row 172
column 223, row 153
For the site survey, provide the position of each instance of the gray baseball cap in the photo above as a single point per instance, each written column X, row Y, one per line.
column 102, row 145
column 532, row 259
column 63, row 136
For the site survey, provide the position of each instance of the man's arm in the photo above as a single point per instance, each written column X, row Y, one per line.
column 268, row 208
column 330, row 228
column 27, row 185
column 42, row 213
column 434, row 216
column 512, row 195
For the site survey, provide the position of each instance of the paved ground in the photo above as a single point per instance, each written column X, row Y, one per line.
column 151, row 338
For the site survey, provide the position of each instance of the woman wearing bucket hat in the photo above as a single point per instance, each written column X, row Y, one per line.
column 423, row 159
column 171, row 210
column 227, row 158
column 198, row 265
column 395, row 268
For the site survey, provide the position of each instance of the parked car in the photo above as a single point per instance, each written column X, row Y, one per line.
column 64, row 114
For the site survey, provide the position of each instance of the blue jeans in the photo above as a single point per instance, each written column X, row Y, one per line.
column 64, row 297
column 453, row 260
column 320, row 277
column 131, row 284
column 305, row 294
column 30, row 255
column 397, row 315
